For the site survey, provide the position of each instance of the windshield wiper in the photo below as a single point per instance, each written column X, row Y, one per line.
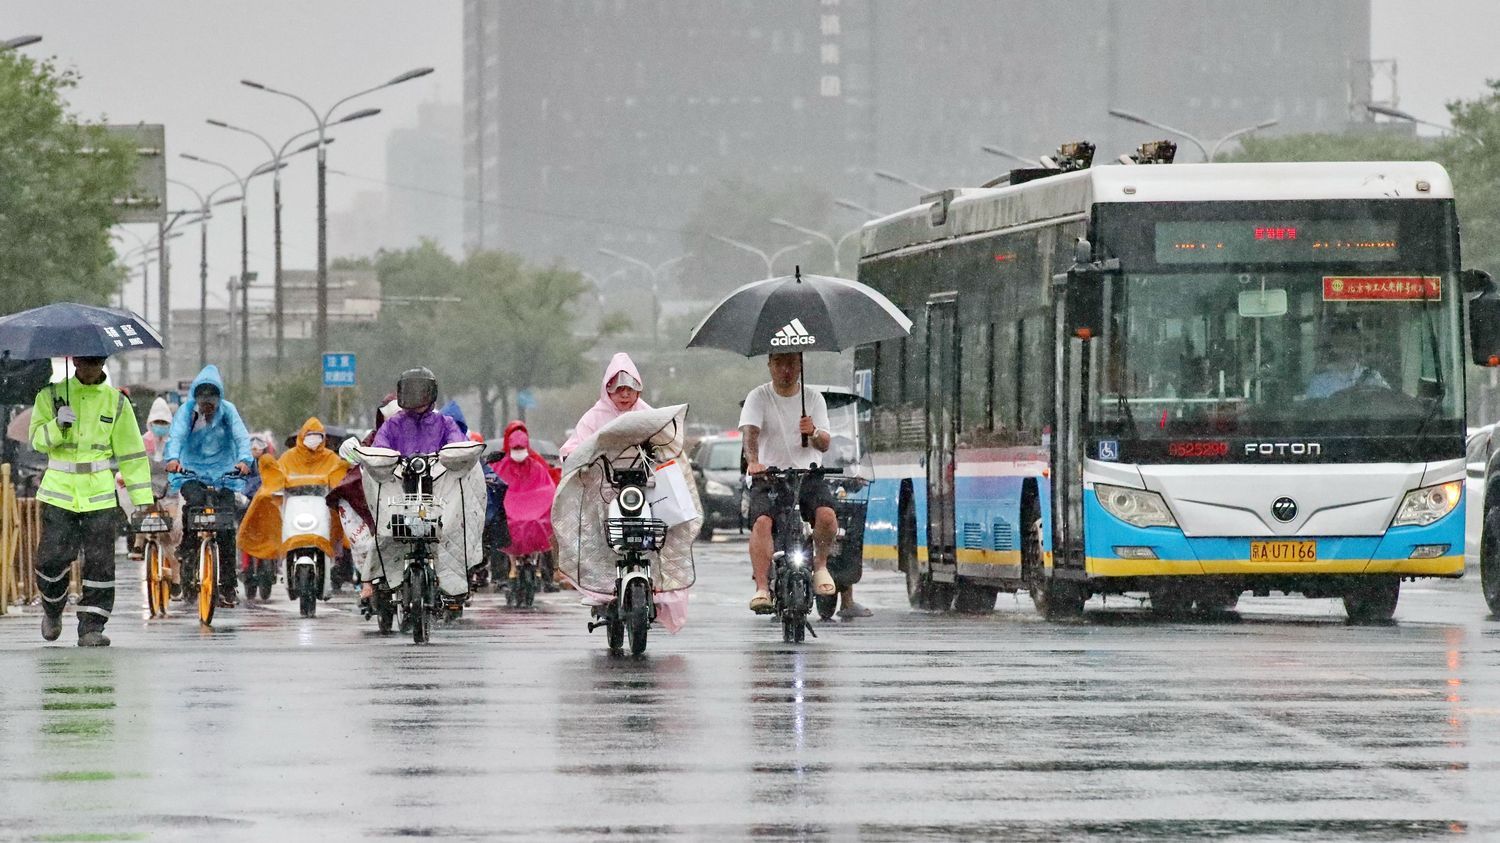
column 1437, row 368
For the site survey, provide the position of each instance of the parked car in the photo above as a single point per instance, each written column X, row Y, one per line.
column 719, row 468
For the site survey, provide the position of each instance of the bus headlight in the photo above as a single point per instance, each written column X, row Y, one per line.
column 1135, row 506
column 1421, row 507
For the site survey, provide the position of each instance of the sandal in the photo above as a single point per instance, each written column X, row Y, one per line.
column 823, row 583
column 760, row 604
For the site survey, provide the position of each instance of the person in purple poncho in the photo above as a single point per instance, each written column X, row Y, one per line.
column 417, row 429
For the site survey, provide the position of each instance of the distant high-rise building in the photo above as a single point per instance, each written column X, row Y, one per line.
column 593, row 121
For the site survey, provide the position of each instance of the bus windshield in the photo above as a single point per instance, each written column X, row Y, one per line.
column 1293, row 352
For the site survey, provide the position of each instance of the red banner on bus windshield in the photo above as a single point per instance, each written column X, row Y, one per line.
column 1382, row 288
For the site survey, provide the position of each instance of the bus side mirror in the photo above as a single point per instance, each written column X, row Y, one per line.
column 1084, row 290
column 1484, row 317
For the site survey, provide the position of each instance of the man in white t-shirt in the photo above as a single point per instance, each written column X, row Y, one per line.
column 773, row 425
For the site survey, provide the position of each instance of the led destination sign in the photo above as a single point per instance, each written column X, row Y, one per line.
column 1276, row 241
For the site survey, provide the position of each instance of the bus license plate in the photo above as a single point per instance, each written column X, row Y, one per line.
column 1283, row 551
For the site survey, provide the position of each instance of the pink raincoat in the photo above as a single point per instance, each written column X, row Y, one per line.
column 603, row 412
column 528, row 495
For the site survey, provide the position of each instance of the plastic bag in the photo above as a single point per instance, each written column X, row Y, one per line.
column 670, row 499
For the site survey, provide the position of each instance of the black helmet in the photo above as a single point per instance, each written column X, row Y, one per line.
column 416, row 388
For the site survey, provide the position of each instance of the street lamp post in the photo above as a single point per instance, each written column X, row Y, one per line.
column 769, row 259
column 206, row 204
column 1207, row 152
column 1005, row 153
column 19, row 41
column 323, row 122
column 653, row 273
column 835, row 245
column 1398, row 114
column 278, row 156
column 244, row 184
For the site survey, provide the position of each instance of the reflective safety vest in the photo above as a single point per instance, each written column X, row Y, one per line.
column 82, row 460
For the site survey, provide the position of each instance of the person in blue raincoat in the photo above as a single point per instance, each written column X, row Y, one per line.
column 209, row 439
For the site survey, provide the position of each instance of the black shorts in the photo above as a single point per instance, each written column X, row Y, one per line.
column 815, row 494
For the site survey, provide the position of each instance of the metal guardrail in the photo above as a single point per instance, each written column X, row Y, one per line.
column 20, row 536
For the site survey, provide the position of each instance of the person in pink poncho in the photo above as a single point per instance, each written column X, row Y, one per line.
column 620, row 393
column 528, row 494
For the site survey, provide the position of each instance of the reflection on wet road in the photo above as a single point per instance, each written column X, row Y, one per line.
column 1283, row 723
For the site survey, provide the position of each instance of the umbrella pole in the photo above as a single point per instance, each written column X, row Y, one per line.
column 802, row 390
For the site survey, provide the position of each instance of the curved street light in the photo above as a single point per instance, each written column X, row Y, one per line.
column 1208, row 153
column 324, row 120
column 770, row 259
column 1005, row 153
column 19, row 41
column 892, row 177
column 652, row 272
column 206, row 204
column 277, row 156
column 244, row 183
column 851, row 205
column 1398, row 114
column 835, row 245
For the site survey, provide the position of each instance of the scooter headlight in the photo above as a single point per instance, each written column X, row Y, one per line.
column 798, row 558
column 1421, row 507
column 632, row 500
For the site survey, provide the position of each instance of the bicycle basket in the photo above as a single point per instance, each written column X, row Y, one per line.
column 151, row 522
column 644, row 534
column 412, row 518
column 199, row 519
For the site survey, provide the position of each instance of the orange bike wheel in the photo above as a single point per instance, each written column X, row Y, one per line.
column 157, row 588
column 208, row 579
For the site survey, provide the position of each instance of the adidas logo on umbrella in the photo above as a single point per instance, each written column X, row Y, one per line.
column 792, row 333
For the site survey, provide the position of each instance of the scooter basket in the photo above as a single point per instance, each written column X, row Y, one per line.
column 412, row 518
column 646, row 534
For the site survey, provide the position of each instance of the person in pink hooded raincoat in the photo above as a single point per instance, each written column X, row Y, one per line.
column 528, row 493
column 620, row 393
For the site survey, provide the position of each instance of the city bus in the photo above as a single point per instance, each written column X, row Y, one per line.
column 1184, row 382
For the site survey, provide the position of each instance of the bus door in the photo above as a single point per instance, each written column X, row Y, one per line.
column 942, row 434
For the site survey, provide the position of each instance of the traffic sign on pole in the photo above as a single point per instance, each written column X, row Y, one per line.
column 338, row 370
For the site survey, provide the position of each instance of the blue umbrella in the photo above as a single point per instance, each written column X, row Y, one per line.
column 66, row 329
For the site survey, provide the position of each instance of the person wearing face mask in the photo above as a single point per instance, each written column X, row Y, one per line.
column 619, row 394
column 310, row 462
column 86, row 428
column 529, row 489
column 209, row 439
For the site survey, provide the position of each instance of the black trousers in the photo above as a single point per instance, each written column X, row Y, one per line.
column 64, row 534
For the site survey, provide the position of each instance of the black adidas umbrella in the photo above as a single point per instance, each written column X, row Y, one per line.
column 799, row 313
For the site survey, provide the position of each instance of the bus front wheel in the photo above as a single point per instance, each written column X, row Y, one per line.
column 1489, row 559
column 1372, row 599
column 921, row 591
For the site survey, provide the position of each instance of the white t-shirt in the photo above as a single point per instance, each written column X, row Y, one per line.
column 777, row 417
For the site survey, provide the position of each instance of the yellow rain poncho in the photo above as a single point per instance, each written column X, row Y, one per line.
column 260, row 532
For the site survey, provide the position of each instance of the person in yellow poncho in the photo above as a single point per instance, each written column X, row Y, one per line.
column 310, row 462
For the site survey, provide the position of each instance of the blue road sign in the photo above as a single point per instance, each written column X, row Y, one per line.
column 525, row 399
column 338, row 370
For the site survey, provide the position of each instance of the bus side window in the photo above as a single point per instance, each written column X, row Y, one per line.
column 974, row 383
column 1034, row 373
column 887, row 378
column 1003, row 384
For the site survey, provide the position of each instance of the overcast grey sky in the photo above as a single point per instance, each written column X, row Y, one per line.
column 180, row 61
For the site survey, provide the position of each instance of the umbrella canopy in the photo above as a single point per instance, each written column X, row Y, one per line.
column 74, row 330
column 799, row 313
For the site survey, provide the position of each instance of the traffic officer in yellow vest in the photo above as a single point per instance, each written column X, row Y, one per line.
column 87, row 429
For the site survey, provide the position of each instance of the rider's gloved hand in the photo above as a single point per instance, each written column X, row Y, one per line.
column 65, row 416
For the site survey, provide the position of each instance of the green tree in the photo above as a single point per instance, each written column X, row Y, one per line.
column 281, row 405
column 58, row 181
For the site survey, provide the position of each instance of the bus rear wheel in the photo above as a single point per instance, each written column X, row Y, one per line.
column 1372, row 599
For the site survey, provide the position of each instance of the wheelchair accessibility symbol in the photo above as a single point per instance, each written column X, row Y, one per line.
column 1109, row 450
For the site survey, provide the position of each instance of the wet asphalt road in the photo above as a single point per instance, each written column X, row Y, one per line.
column 1282, row 723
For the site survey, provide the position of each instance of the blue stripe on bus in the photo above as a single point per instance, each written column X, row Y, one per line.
column 979, row 503
column 1103, row 532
